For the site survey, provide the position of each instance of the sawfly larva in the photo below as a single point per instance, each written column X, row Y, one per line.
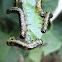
column 46, row 21
column 39, row 8
column 21, row 20
column 18, row 43
column 46, row 16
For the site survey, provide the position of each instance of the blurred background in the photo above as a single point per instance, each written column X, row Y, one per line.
column 9, row 26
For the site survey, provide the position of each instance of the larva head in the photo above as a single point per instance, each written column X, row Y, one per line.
column 8, row 11
column 10, row 41
column 22, row 36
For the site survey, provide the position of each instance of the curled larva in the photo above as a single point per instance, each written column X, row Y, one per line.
column 22, row 20
column 13, row 42
column 46, row 21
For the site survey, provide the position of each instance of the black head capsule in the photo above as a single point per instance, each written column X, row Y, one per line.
column 42, row 15
column 43, row 31
column 22, row 36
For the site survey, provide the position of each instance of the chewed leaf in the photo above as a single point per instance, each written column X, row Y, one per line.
column 34, row 21
column 31, row 36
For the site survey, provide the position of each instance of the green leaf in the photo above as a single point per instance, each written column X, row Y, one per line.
column 49, row 5
column 54, row 45
column 35, row 55
column 33, row 20
column 54, row 36
column 60, row 51
column 8, row 54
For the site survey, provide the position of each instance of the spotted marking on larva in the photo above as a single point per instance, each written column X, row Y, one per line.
column 23, row 27
column 18, row 43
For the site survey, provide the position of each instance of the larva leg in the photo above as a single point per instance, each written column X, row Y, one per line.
column 21, row 20
column 14, row 42
column 39, row 8
column 46, row 21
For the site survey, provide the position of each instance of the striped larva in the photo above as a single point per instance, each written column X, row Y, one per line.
column 46, row 16
column 21, row 20
column 39, row 8
column 46, row 21
column 18, row 43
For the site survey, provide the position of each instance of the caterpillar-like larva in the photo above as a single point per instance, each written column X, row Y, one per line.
column 46, row 21
column 39, row 8
column 14, row 42
column 46, row 16
column 22, row 20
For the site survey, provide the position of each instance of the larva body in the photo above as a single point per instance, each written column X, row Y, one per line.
column 39, row 8
column 46, row 21
column 22, row 20
column 46, row 16
column 13, row 42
